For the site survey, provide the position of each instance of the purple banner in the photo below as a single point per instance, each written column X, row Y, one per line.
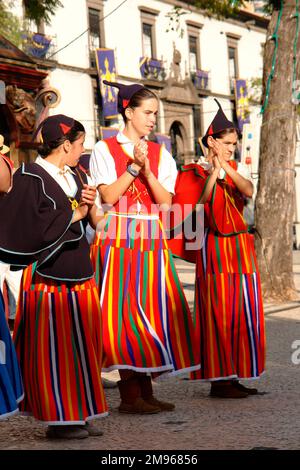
column 201, row 79
column 152, row 69
column 165, row 140
column 105, row 59
column 107, row 132
column 242, row 103
column 36, row 44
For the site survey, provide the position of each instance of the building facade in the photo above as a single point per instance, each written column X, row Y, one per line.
column 186, row 57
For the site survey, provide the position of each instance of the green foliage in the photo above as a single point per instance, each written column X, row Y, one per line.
column 35, row 10
column 255, row 90
column 41, row 10
column 10, row 24
column 220, row 8
column 174, row 20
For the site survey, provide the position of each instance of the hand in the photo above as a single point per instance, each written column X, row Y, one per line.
column 146, row 170
column 216, row 164
column 218, row 150
column 140, row 153
column 88, row 195
column 81, row 212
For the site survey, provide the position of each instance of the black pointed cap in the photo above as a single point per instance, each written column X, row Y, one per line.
column 54, row 127
column 126, row 92
column 218, row 124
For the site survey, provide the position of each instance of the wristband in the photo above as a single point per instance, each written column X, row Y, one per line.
column 132, row 171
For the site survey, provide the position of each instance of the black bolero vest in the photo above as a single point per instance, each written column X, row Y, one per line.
column 36, row 226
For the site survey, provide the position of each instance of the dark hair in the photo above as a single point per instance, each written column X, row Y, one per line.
column 136, row 100
column 229, row 130
column 44, row 149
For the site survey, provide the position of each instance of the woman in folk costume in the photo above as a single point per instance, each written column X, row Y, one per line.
column 229, row 310
column 58, row 333
column 11, row 389
column 147, row 324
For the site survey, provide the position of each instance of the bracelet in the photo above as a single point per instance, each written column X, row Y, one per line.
column 132, row 171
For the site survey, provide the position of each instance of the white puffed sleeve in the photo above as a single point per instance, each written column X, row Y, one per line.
column 102, row 165
column 167, row 170
column 244, row 171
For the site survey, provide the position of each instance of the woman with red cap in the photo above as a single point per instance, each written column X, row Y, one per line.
column 147, row 326
column 229, row 310
column 11, row 389
column 57, row 334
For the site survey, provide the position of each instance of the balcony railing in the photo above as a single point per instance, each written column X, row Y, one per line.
column 152, row 69
column 38, row 45
column 201, row 79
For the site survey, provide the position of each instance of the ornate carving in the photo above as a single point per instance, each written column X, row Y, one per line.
column 48, row 96
column 22, row 105
column 175, row 65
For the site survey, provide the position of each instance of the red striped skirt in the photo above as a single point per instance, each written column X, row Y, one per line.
column 58, row 339
column 147, row 324
column 229, row 310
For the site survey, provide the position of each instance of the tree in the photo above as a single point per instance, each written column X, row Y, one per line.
column 276, row 188
column 36, row 10
column 274, row 209
column 40, row 10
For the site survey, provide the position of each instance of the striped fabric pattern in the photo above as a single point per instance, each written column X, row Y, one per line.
column 147, row 324
column 11, row 389
column 228, row 309
column 58, row 339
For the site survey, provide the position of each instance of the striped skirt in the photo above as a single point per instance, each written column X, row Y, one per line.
column 11, row 389
column 58, row 339
column 228, row 309
column 147, row 324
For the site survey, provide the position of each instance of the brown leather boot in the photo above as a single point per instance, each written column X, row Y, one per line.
column 147, row 394
column 225, row 389
column 131, row 400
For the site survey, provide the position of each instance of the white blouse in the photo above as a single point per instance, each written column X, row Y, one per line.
column 103, row 169
column 64, row 177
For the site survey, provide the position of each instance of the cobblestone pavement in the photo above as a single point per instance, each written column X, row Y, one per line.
column 268, row 420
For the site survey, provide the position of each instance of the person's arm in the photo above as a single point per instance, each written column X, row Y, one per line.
column 87, row 200
column 111, row 193
column 161, row 195
column 5, row 176
column 211, row 181
column 95, row 216
column 244, row 185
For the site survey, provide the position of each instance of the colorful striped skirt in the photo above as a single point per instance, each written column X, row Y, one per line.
column 147, row 324
column 11, row 389
column 58, row 339
column 228, row 309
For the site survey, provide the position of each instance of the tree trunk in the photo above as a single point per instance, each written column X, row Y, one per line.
column 274, row 209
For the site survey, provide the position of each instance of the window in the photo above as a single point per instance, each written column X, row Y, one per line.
column 148, row 19
column 95, row 33
column 232, row 43
column 193, row 31
column 147, row 40
column 193, row 52
column 197, row 130
column 232, row 62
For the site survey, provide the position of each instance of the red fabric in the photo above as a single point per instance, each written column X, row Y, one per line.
column 139, row 190
column 226, row 195
column 189, row 186
column 8, row 161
